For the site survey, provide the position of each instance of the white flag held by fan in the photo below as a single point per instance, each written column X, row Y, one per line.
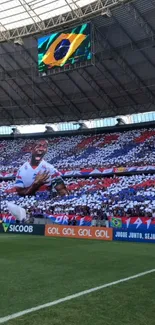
column 18, row 212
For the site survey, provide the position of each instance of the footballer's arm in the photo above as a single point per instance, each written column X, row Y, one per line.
column 31, row 190
column 39, row 181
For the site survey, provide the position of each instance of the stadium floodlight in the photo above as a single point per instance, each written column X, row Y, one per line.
column 15, row 131
column 120, row 121
column 107, row 13
column 82, row 125
column 18, row 41
column 49, row 129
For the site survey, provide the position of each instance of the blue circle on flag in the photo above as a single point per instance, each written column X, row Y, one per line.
column 61, row 49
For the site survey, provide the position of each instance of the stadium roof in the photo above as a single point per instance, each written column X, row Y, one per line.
column 122, row 81
column 25, row 17
column 18, row 13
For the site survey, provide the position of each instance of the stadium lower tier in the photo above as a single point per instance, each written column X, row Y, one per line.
column 115, row 196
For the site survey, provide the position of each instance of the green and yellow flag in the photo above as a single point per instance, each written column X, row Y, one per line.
column 116, row 222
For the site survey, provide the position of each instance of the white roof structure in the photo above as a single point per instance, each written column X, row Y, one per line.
column 25, row 17
column 120, row 80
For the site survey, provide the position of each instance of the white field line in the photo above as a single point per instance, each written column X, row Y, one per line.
column 76, row 295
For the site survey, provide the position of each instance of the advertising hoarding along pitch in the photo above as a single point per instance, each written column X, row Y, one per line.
column 134, row 236
column 22, row 229
column 79, row 232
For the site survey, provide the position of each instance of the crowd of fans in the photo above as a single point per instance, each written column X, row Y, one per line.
column 114, row 196
column 128, row 148
column 97, row 197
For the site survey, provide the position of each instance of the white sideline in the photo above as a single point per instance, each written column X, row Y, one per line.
column 76, row 295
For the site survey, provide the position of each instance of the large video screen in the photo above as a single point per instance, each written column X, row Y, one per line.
column 64, row 48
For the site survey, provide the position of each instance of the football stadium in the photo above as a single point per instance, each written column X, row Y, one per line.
column 77, row 162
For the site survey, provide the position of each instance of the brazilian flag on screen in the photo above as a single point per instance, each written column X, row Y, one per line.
column 116, row 222
column 64, row 48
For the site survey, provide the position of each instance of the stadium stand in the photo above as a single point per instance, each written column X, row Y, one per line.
column 119, row 196
column 116, row 196
column 81, row 73
column 121, row 149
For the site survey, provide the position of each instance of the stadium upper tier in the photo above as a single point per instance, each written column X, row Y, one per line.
column 98, row 153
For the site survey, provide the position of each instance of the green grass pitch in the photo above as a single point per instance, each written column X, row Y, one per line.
column 37, row 270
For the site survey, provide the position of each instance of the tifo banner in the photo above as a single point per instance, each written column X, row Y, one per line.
column 22, row 229
column 133, row 223
column 7, row 218
column 60, row 219
column 79, row 232
column 90, row 171
column 63, row 219
column 134, row 236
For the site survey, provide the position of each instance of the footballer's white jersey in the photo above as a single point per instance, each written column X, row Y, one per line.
column 27, row 174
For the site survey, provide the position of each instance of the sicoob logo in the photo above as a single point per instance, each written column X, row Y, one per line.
column 5, row 226
column 17, row 228
column 21, row 228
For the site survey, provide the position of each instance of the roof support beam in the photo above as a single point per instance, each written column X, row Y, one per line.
column 35, row 18
column 5, row 114
column 125, row 66
column 81, row 90
column 147, row 28
column 31, row 102
column 119, row 86
column 13, row 101
column 57, row 109
column 20, row 91
column 134, row 12
column 142, row 85
column 64, row 98
column 111, row 105
column 74, row 17
column 8, row 114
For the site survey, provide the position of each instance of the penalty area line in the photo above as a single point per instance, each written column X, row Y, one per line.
column 76, row 295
